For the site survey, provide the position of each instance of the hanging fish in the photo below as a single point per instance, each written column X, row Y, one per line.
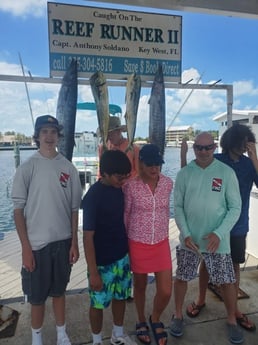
column 100, row 93
column 157, row 115
column 66, row 110
column 133, row 91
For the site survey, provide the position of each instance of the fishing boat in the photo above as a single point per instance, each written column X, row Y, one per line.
column 85, row 157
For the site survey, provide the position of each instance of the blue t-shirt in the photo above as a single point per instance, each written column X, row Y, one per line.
column 103, row 213
column 246, row 175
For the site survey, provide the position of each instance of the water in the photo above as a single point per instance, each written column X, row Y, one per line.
column 7, row 171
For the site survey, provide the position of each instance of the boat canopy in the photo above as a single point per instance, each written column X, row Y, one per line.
column 113, row 108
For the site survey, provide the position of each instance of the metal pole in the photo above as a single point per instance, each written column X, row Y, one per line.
column 229, row 105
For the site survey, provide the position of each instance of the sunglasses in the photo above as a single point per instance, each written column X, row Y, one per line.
column 203, row 147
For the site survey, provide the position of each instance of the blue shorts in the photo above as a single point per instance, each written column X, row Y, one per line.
column 51, row 275
column 219, row 266
column 116, row 279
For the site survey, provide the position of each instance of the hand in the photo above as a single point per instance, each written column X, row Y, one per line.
column 213, row 242
column 74, row 254
column 251, row 150
column 95, row 281
column 28, row 261
column 190, row 244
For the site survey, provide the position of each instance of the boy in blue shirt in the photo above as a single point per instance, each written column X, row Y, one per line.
column 106, row 246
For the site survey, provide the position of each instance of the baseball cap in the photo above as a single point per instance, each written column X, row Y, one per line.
column 115, row 123
column 150, row 155
column 47, row 120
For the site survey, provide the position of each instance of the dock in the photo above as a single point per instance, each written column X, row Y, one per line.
column 208, row 328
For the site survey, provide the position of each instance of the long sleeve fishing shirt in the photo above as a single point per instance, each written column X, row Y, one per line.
column 146, row 214
column 206, row 200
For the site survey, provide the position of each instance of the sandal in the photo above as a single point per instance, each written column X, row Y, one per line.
column 158, row 336
column 246, row 323
column 142, row 332
column 195, row 309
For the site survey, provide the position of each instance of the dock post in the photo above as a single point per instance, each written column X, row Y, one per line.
column 16, row 150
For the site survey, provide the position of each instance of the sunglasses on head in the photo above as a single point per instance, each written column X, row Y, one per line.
column 203, row 147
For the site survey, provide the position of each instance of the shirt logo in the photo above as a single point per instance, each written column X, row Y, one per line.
column 64, row 179
column 216, row 184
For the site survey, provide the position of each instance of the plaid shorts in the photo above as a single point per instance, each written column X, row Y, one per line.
column 219, row 266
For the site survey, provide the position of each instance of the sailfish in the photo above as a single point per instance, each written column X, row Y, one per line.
column 157, row 115
column 66, row 110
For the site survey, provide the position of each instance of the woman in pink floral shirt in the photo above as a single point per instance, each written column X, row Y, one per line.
column 147, row 199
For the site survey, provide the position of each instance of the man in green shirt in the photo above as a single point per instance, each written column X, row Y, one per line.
column 207, row 205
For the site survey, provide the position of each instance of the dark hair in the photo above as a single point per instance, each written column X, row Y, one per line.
column 36, row 136
column 114, row 162
column 235, row 137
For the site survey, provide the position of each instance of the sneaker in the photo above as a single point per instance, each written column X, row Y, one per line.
column 123, row 340
column 176, row 327
column 235, row 334
column 63, row 341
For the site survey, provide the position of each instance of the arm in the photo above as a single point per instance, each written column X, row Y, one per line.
column 28, row 260
column 74, row 251
column 233, row 204
column 252, row 154
column 183, row 153
column 135, row 169
column 90, row 256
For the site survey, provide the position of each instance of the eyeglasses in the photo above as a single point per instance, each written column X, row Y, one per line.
column 203, row 147
column 121, row 178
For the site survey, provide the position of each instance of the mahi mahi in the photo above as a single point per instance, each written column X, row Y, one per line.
column 100, row 93
column 133, row 91
column 66, row 110
column 157, row 116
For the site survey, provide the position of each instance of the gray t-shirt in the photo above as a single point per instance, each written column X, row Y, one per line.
column 48, row 190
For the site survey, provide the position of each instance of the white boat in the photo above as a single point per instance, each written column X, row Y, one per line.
column 87, row 167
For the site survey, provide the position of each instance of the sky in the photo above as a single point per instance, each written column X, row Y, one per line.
column 213, row 47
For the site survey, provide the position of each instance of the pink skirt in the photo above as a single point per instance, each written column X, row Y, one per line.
column 150, row 258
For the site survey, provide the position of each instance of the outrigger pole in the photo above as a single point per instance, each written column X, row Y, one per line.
column 27, row 91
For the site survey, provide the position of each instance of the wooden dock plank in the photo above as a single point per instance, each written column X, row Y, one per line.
column 10, row 264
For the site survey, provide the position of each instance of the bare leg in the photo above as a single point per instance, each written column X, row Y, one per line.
column 246, row 323
column 163, row 293
column 140, row 284
column 203, row 284
column 161, row 299
column 37, row 315
column 118, row 311
column 96, row 320
column 229, row 297
column 237, row 275
column 59, row 309
column 180, row 288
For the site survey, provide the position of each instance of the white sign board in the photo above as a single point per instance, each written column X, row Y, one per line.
column 116, row 42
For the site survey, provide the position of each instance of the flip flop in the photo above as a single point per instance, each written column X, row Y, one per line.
column 246, row 323
column 196, row 309
column 158, row 336
column 142, row 330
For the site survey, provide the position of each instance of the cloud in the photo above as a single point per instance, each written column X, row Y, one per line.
column 197, row 110
column 244, row 87
column 36, row 8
